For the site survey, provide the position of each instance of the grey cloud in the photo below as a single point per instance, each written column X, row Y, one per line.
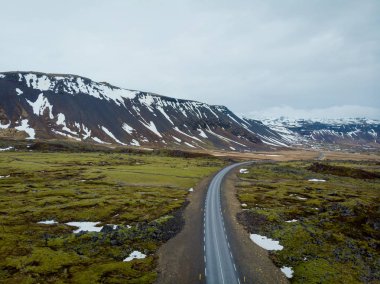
column 251, row 56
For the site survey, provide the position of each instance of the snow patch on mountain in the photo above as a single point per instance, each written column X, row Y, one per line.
column 152, row 127
column 40, row 105
column 110, row 134
column 127, row 128
column 25, row 127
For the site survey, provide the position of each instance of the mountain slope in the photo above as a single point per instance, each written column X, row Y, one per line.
column 359, row 132
column 50, row 106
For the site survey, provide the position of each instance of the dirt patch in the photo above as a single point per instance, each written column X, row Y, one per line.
column 254, row 264
column 342, row 171
column 181, row 259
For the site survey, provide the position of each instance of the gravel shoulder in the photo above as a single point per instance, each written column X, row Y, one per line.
column 254, row 264
column 181, row 259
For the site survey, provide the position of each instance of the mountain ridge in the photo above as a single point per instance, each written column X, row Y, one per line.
column 75, row 107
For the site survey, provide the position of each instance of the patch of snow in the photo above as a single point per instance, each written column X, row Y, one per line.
column 97, row 140
column 134, row 142
column 48, row 222
column 291, row 221
column 87, row 132
column 188, row 144
column 152, row 127
column 265, row 242
column 288, row 271
column 2, row 76
column 159, row 108
column 25, row 127
column 232, row 148
column 19, row 92
column 5, row 176
column 243, row 171
column 6, row 149
column 316, row 180
column 42, row 83
column 244, row 205
column 127, row 128
column 4, row 126
column 177, row 139
column 301, row 198
column 85, row 226
column 40, row 105
column 224, row 138
column 61, row 120
column 110, row 134
column 201, row 133
column 191, row 189
column 192, row 137
column 134, row 255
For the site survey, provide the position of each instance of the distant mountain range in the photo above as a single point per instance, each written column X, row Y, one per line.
column 358, row 132
column 53, row 106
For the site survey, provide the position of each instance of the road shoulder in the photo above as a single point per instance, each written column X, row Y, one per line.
column 181, row 259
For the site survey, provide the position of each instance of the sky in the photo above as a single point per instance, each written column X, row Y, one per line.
column 290, row 58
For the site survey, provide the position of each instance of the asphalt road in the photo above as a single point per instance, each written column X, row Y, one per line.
column 220, row 266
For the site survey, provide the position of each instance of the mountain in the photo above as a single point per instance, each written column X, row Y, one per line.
column 54, row 106
column 354, row 132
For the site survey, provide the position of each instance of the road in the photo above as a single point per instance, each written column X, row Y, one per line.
column 220, row 266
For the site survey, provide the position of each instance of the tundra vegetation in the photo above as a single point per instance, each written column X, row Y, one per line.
column 333, row 229
column 142, row 193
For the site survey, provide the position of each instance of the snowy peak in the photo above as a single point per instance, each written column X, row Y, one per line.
column 347, row 131
column 77, row 108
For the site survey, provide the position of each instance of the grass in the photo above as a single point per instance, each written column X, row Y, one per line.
column 142, row 193
column 336, row 236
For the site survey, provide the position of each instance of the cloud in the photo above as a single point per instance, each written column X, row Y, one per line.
column 245, row 54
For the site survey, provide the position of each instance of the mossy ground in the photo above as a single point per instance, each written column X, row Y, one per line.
column 140, row 190
column 336, row 236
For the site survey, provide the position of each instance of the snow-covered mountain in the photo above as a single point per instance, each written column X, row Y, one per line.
column 50, row 106
column 349, row 132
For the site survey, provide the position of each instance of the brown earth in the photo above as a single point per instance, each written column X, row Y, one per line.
column 181, row 259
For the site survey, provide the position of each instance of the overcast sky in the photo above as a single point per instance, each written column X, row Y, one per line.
column 259, row 58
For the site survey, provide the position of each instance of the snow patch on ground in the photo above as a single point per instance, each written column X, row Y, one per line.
column 243, row 171
column 6, row 149
column 5, row 176
column 25, row 127
column 135, row 255
column 265, row 242
column 291, row 221
column 48, row 222
column 232, row 148
column 288, row 271
column 191, row 189
column 85, row 226
column 317, row 180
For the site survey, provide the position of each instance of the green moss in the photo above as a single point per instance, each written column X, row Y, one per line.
column 142, row 190
column 335, row 239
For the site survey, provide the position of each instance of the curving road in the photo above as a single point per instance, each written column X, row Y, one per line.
column 219, row 262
